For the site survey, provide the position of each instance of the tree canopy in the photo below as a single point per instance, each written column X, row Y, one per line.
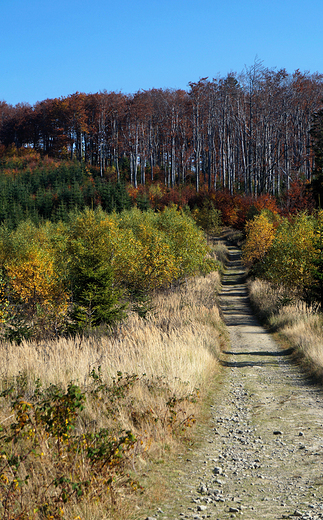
column 246, row 132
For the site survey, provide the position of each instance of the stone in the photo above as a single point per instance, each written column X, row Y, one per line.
column 201, row 508
column 217, row 471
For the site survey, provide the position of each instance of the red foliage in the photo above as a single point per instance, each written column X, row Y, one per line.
column 227, row 204
column 266, row 202
column 159, row 196
column 2, row 150
column 179, row 196
column 234, row 208
column 298, row 198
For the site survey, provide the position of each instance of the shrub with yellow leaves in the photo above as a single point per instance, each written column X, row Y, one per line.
column 260, row 234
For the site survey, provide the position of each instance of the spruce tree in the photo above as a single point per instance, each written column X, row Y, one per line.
column 96, row 298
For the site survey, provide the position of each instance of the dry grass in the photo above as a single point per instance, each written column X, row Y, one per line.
column 178, row 340
column 176, row 348
column 300, row 324
column 221, row 252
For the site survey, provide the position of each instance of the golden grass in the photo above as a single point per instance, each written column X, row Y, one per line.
column 300, row 324
column 177, row 345
column 177, row 340
column 221, row 252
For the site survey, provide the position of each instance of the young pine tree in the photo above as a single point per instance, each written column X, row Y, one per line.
column 96, row 297
column 96, row 300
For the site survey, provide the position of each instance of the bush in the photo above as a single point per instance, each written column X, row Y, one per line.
column 287, row 252
column 83, row 462
column 260, row 234
column 79, row 275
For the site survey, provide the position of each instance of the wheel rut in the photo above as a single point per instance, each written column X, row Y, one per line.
column 261, row 455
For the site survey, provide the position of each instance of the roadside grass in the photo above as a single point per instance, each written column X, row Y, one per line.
column 221, row 253
column 81, row 419
column 299, row 324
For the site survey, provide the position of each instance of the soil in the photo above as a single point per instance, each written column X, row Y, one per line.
column 260, row 456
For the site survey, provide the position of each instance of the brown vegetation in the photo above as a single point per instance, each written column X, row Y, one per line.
column 134, row 391
column 297, row 324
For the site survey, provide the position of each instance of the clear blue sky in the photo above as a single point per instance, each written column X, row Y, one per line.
column 55, row 48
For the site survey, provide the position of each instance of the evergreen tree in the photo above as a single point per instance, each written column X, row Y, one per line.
column 96, row 297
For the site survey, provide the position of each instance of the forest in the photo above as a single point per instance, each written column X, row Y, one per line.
column 110, row 273
column 91, row 183
column 248, row 133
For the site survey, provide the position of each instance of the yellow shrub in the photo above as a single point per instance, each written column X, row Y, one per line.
column 260, row 236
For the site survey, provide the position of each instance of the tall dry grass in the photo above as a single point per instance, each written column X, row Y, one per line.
column 178, row 340
column 221, row 252
column 300, row 324
column 176, row 347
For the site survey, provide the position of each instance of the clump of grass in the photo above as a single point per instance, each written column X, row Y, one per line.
column 80, row 416
column 300, row 324
column 221, row 253
column 178, row 339
column 268, row 299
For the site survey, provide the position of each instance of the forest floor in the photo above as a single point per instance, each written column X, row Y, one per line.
column 259, row 454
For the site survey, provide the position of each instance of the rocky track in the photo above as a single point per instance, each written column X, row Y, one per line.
column 261, row 455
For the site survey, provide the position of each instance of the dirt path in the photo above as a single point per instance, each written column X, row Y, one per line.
column 261, row 456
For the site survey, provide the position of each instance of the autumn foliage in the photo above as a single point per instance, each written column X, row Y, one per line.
column 246, row 133
column 287, row 252
column 60, row 278
column 260, row 234
column 88, row 463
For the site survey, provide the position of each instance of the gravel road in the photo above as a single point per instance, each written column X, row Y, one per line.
column 261, row 455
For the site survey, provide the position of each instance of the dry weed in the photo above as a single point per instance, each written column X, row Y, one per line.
column 177, row 341
column 173, row 352
column 221, row 252
column 298, row 322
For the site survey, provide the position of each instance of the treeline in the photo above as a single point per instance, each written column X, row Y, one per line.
column 69, row 278
column 39, row 189
column 248, row 132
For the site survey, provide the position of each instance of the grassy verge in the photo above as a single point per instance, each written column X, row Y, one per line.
column 81, row 420
column 295, row 322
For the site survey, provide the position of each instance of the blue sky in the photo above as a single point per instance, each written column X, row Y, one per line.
column 53, row 49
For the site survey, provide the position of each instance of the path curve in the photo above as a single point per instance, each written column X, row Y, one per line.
column 261, row 456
